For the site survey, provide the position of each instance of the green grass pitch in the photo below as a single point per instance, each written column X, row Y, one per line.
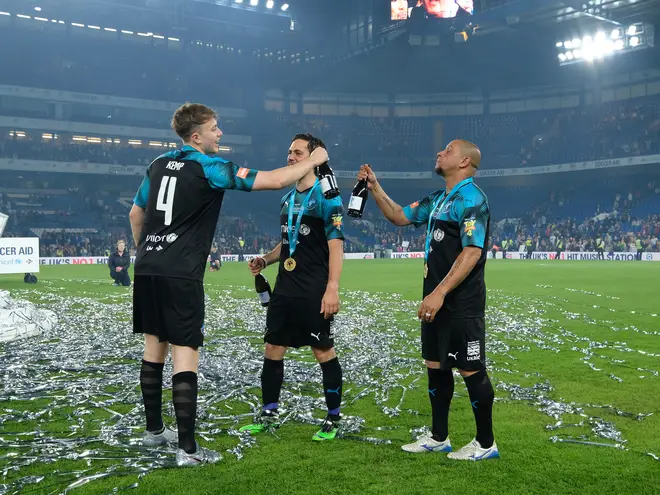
column 595, row 340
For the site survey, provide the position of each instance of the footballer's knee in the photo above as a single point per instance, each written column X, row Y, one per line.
column 275, row 352
column 324, row 355
column 466, row 373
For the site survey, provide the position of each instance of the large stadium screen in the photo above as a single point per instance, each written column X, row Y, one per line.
column 432, row 9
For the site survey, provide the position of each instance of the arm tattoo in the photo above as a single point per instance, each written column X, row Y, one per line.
column 459, row 271
column 454, row 268
column 458, row 262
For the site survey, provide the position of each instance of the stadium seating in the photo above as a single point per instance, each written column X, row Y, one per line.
column 252, row 226
column 526, row 139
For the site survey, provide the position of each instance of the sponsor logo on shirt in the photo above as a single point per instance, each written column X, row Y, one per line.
column 470, row 226
column 296, row 207
column 304, row 229
column 169, row 238
column 337, row 221
column 414, row 205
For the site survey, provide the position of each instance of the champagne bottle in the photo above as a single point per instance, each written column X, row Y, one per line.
column 263, row 289
column 358, row 199
column 328, row 181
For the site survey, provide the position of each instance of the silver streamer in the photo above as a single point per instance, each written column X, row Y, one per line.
column 82, row 377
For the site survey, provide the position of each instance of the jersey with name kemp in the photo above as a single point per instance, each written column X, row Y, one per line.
column 462, row 221
column 182, row 194
column 322, row 221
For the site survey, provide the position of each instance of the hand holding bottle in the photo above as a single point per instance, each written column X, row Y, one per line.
column 256, row 265
column 367, row 174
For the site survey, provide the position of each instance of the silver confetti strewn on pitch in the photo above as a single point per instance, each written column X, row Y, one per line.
column 84, row 373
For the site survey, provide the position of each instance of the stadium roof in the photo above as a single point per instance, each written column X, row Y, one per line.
column 549, row 13
column 510, row 45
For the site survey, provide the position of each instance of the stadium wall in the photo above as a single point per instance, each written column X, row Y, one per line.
column 537, row 255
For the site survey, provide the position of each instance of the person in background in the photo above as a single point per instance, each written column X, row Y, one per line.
column 609, row 245
column 399, row 10
column 529, row 247
column 216, row 262
column 505, row 247
column 241, row 249
column 494, row 248
column 559, row 247
column 441, row 9
column 119, row 261
column 600, row 247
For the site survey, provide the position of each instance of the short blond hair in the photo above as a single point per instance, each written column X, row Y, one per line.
column 189, row 117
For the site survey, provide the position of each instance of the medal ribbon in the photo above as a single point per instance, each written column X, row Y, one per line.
column 443, row 197
column 292, row 233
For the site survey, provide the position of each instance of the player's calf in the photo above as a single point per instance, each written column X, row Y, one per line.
column 482, row 397
column 272, row 376
column 332, row 388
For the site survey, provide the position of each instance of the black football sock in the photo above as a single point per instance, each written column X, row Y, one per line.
column 332, row 384
column 151, row 384
column 482, row 397
column 272, row 376
column 184, row 396
column 441, row 391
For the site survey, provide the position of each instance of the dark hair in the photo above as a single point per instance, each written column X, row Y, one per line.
column 189, row 117
column 312, row 142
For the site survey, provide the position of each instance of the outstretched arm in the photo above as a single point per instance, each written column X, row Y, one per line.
column 391, row 210
column 285, row 176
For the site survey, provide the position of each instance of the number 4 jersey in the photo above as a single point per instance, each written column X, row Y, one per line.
column 182, row 195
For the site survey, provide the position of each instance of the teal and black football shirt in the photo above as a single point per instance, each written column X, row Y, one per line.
column 463, row 220
column 182, row 195
column 322, row 221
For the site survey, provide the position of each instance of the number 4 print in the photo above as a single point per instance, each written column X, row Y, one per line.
column 167, row 188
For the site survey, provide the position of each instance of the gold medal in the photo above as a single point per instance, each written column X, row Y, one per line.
column 426, row 270
column 289, row 264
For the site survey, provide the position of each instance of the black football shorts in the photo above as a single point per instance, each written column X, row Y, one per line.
column 170, row 308
column 455, row 342
column 298, row 322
